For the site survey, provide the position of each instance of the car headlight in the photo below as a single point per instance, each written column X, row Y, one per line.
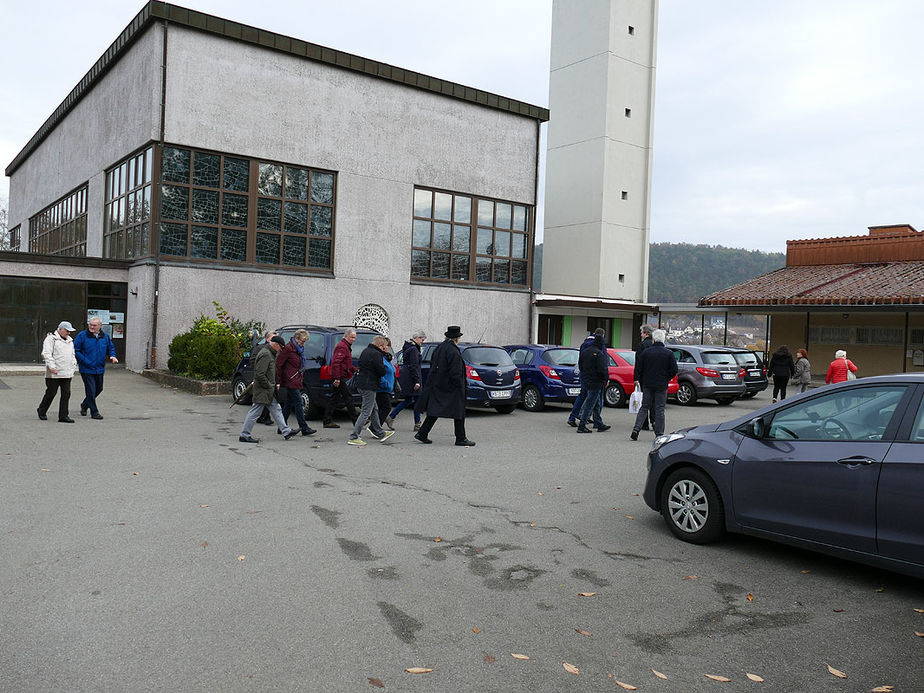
column 664, row 439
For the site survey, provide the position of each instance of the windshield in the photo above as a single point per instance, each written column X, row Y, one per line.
column 487, row 356
column 718, row 358
column 626, row 355
column 746, row 358
column 562, row 357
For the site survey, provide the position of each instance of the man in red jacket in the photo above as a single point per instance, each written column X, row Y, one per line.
column 290, row 364
column 341, row 370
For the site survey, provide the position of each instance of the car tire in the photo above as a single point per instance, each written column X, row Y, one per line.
column 692, row 507
column 505, row 408
column 725, row 401
column 533, row 399
column 237, row 387
column 614, row 396
column 686, row 394
column 310, row 409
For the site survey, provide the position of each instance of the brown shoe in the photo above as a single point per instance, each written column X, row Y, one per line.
column 331, row 424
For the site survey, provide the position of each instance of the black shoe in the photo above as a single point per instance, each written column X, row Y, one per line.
column 583, row 429
column 634, row 435
column 278, row 432
column 604, row 427
column 83, row 411
column 422, row 439
column 308, row 431
column 291, row 434
column 466, row 442
column 265, row 422
column 96, row 416
column 646, row 427
column 573, row 423
column 247, row 439
column 66, row 419
column 43, row 417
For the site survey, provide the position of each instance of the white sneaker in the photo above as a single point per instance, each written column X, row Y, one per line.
column 356, row 441
column 385, row 436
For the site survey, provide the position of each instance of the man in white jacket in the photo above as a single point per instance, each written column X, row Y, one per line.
column 60, row 365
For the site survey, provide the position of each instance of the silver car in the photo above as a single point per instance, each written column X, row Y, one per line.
column 707, row 372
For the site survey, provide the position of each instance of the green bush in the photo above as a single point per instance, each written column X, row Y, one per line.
column 204, row 356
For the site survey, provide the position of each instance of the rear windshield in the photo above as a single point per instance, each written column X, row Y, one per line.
column 562, row 357
column 719, row 358
column 487, row 356
column 746, row 358
column 626, row 355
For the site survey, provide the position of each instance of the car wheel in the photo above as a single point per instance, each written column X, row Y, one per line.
column 686, row 394
column 505, row 408
column 533, row 399
column 692, row 507
column 237, row 389
column 614, row 396
column 725, row 401
column 310, row 409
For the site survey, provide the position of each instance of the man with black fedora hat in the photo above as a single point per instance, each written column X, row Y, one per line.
column 444, row 392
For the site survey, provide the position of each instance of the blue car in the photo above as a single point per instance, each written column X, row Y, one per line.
column 549, row 373
column 491, row 379
column 838, row 469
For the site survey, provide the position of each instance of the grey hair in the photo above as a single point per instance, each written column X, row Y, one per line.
column 95, row 319
column 659, row 336
column 840, row 354
column 419, row 334
column 349, row 331
column 646, row 328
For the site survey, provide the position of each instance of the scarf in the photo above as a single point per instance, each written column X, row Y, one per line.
column 301, row 353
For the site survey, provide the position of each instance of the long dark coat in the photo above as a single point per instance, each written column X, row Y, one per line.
column 444, row 391
column 264, row 376
column 410, row 369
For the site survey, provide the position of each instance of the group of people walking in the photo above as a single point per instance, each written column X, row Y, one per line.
column 786, row 371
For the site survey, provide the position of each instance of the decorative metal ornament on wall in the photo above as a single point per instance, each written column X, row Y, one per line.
column 373, row 317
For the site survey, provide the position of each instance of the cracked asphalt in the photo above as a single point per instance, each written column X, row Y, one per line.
column 151, row 551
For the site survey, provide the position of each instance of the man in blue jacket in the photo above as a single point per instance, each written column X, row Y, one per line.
column 92, row 347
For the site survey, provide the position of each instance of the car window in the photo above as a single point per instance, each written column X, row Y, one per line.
column 611, row 362
column 286, row 334
column 718, row 358
column 315, row 348
column 683, row 356
column 427, row 353
column 487, row 356
column 627, row 356
column 860, row 413
column 363, row 339
column 521, row 356
column 746, row 358
column 562, row 357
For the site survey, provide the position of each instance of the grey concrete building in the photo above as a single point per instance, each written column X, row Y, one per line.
column 200, row 159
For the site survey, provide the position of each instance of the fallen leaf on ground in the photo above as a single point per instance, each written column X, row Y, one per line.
column 806, row 572
column 570, row 668
column 376, row 682
column 418, row 670
column 558, row 488
column 45, row 470
column 723, row 679
column 750, row 597
column 920, row 635
column 475, row 630
column 627, row 686
column 615, row 508
column 488, row 658
column 881, row 589
column 883, row 689
column 920, row 611
column 583, row 632
column 836, row 672
column 755, row 677
column 517, row 655
column 438, row 539
column 241, row 558
column 691, row 577
column 136, row 473
column 254, row 512
column 586, row 594
column 532, row 524
column 538, row 493
column 630, row 517
column 204, row 544
column 634, row 494
column 205, row 506
column 659, row 674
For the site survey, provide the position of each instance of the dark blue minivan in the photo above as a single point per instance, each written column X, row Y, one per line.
column 549, row 373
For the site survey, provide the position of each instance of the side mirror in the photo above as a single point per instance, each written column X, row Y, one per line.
column 758, row 427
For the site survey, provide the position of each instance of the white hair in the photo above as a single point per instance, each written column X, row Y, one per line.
column 348, row 331
column 659, row 336
column 840, row 354
column 419, row 334
column 95, row 319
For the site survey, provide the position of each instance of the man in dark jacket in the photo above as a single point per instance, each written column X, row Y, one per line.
column 341, row 370
column 93, row 348
column 594, row 375
column 654, row 368
column 579, row 402
column 371, row 370
column 444, row 393
column 646, row 342
column 290, row 365
column 265, row 417
column 264, row 392
column 410, row 379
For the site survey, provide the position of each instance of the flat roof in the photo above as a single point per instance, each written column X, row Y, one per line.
column 155, row 11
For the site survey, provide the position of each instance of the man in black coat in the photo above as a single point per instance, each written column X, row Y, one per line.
column 646, row 342
column 444, row 393
column 654, row 368
column 371, row 370
column 594, row 376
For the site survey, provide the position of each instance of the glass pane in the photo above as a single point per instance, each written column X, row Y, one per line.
column 421, row 233
column 173, row 239
column 297, row 183
column 145, row 239
column 321, row 220
column 518, row 248
column 131, row 175
column 203, row 242
column 461, row 238
column 441, row 265
column 233, row 245
column 205, row 206
column 503, row 215
column 296, row 215
column 486, row 212
column 423, row 200
column 319, row 253
column 322, row 187
column 518, row 272
column 485, row 242
column 174, row 203
column 148, row 164
column 502, row 243
column 293, row 251
column 420, row 263
column 145, row 203
column 442, row 206
column 269, row 214
column 501, row 271
column 176, row 165
column 460, row 267
column 483, row 269
column 463, row 213
column 207, row 170
column 441, row 236
column 519, row 218
column 267, row 249
column 270, row 180
column 234, row 210
column 237, row 174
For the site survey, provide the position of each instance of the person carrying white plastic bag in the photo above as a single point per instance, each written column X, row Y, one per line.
column 635, row 400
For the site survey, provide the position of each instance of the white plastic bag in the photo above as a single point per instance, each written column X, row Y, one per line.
column 635, row 401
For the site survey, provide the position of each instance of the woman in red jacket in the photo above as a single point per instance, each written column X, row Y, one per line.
column 839, row 368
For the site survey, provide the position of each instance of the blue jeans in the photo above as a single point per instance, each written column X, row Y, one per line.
column 593, row 402
column 92, row 386
column 579, row 402
column 409, row 401
column 294, row 403
column 652, row 399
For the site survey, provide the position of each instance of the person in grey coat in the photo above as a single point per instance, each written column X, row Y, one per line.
column 264, row 392
column 802, row 376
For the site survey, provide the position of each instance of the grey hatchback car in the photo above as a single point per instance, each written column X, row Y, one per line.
column 839, row 470
column 707, row 372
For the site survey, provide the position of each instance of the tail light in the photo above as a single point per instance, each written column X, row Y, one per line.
column 397, row 371
column 764, row 370
column 516, row 374
column 742, row 373
column 471, row 373
column 325, row 373
column 547, row 371
column 708, row 372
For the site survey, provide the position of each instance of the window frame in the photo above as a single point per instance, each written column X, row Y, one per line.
column 139, row 228
column 66, row 215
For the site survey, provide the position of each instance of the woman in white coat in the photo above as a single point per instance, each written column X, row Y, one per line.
column 60, row 365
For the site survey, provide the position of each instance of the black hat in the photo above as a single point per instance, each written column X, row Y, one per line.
column 453, row 331
column 279, row 340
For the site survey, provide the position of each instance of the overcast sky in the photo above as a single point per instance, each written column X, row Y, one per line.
column 773, row 120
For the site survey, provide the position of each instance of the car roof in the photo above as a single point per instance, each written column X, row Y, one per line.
column 322, row 328
column 538, row 346
column 702, row 347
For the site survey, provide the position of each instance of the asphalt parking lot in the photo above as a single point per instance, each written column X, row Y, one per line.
column 153, row 551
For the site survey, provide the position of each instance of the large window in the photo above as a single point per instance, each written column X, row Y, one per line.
column 462, row 238
column 61, row 228
column 221, row 207
column 127, row 226
column 15, row 237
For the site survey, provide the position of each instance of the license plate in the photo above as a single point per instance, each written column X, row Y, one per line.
column 729, row 376
column 574, row 391
column 499, row 394
column 754, row 373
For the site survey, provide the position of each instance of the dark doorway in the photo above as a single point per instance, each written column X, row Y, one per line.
column 31, row 309
column 550, row 329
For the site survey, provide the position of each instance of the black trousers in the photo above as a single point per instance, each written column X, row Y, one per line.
column 340, row 394
column 430, row 420
column 52, row 385
column 779, row 386
column 383, row 402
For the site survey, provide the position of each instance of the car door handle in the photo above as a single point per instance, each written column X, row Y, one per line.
column 859, row 459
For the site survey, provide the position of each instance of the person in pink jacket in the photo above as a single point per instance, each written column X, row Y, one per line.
column 839, row 368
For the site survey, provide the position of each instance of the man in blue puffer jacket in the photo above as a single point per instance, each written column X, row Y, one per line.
column 92, row 347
